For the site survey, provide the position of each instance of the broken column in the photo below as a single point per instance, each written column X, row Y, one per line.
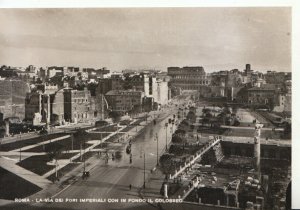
column 48, row 111
column 257, row 148
column 165, row 190
column 7, row 127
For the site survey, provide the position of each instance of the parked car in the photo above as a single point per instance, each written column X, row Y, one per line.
column 43, row 132
column 101, row 123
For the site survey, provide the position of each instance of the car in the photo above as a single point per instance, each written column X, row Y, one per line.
column 100, row 123
column 124, row 122
column 43, row 132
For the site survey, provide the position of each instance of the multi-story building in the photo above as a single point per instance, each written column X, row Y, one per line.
column 189, row 78
column 162, row 92
column 12, row 98
column 39, row 106
column 64, row 105
column 124, row 100
column 153, row 86
column 264, row 95
column 54, row 70
column 107, row 84
column 77, row 105
column 274, row 77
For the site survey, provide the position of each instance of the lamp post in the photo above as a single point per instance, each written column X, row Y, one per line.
column 144, row 153
column 20, row 150
column 56, row 169
column 144, row 170
column 20, row 155
column 156, row 139
column 166, row 126
column 84, row 156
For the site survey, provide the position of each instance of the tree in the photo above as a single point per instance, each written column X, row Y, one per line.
column 191, row 116
column 271, row 105
column 116, row 117
column 127, row 82
column 179, row 137
column 92, row 88
column 205, row 111
column 287, row 130
column 57, row 80
column 54, row 150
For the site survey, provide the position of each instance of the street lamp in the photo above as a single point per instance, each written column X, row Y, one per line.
column 20, row 151
column 144, row 170
column 84, row 157
column 166, row 126
column 144, row 185
column 156, row 139
column 56, row 169
column 20, row 155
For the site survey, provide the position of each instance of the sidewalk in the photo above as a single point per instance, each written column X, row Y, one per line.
column 31, row 135
column 11, row 166
column 153, row 185
column 67, row 179
column 41, row 143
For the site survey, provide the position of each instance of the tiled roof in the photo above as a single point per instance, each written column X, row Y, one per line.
column 120, row 92
column 264, row 87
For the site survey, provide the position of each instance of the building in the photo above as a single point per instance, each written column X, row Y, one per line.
column 189, row 78
column 77, row 105
column 54, row 70
column 125, row 101
column 38, row 105
column 64, row 105
column 264, row 95
column 162, row 92
column 274, row 77
column 108, row 84
column 12, row 98
column 156, row 88
column 58, row 111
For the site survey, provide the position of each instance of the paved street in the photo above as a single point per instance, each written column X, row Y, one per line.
column 112, row 180
column 24, row 136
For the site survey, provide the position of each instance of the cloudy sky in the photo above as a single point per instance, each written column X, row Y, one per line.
column 215, row 38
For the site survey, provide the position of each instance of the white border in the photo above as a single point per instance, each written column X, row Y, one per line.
column 141, row 3
column 205, row 3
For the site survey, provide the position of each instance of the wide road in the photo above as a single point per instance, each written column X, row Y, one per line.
column 112, row 181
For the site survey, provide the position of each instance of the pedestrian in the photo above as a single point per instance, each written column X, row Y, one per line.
column 130, row 187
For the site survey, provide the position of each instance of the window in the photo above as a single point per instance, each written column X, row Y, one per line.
column 266, row 101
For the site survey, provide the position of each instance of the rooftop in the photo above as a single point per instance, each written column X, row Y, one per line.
column 121, row 92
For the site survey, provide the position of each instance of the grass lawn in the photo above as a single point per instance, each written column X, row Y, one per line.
column 250, row 133
column 110, row 128
column 37, row 164
column 67, row 155
column 13, row 186
column 61, row 172
column 208, row 130
column 128, row 128
column 86, row 155
column 23, row 143
column 115, row 137
column 67, row 143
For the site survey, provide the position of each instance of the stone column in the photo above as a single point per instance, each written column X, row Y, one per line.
column 48, row 111
column 165, row 190
column 257, row 148
column 7, row 127
column 227, row 199
column 40, row 104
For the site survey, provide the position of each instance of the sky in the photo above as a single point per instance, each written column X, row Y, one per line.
column 148, row 38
